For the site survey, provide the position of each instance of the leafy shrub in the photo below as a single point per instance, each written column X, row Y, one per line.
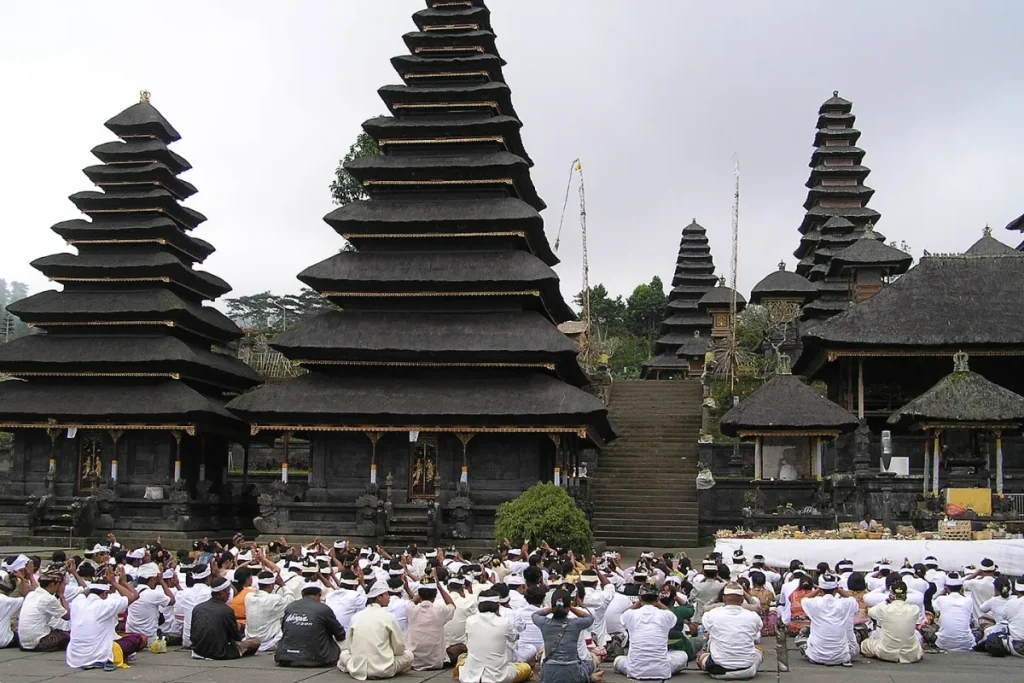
column 544, row 512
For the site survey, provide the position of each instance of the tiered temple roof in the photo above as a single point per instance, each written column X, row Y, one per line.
column 837, row 212
column 448, row 306
column 1017, row 224
column 686, row 332
column 128, row 341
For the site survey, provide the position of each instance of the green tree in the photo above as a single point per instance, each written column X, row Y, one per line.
column 267, row 313
column 344, row 188
column 607, row 315
column 544, row 512
column 646, row 309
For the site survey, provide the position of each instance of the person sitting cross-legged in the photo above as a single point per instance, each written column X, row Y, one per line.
column 897, row 621
column 214, row 631
column 376, row 646
column 488, row 637
column 831, row 611
column 733, row 634
column 648, row 623
column 309, row 632
column 93, row 617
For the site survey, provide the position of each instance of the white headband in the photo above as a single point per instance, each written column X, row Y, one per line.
column 202, row 575
column 270, row 580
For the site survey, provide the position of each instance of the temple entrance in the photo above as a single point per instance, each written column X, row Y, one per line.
column 90, row 461
column 423, row 468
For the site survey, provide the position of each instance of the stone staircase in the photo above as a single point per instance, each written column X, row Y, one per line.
column 644, row 492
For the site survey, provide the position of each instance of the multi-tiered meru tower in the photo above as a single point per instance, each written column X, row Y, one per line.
column 686, row 332
column 837, row 211
column 442, row 376
column 120, row 397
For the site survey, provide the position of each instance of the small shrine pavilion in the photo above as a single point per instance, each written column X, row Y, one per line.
column 961, row 407
column 441, row 386
column 118, row 401
column 686, row 332
column 789, row 423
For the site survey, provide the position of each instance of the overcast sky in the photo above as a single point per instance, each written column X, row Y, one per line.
column 655, row 96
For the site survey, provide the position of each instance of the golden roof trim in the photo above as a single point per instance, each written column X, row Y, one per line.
column 53, row 424
column 471, row 181
column 836, row 354
column 491, row 104
column 160, row 241
column 447, row 74
column 451, row 48
column 518, row 292
column 832, row 433
column 452, row 27
column 440, row 141
column 418, row 364
column 581, row 432
column 166, row 375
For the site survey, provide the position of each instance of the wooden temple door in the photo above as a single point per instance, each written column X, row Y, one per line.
column 423, row 468
column 91, row 461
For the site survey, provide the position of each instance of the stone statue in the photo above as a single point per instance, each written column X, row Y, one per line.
column 786, row 471
column 862, row 448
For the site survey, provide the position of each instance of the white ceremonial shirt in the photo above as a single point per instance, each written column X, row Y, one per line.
column 831, row 620
column 9, row 608
column 648, row 629
column 40, row 614
column 455, row 628
column 293, row 583
column 1015, row 618
column 898, row 623
column 263, row 614
column 531, row 640
column 596, row 601
column 374, row 642
column 955, row 612
column 425, row 637
column 488, row 637
column 144, row 613
column 92, row 629
column 981, row 590
column 397, row 605
column 613, row 615
column 995, row 607
column 187, row 600
column 938, row 577
column 915, row 598
column 771, row 579
column 171, row 626
column 346, row 603
column 916, row 584
column 732, row 634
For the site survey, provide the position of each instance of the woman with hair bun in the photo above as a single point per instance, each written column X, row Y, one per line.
column 561, row 638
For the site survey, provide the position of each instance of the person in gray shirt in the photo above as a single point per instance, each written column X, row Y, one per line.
column 309, row 632
column 561, row 639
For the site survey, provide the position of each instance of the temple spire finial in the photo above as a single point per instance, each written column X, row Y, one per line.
column 143, row 96
column 785, row 366
column 721, row 281
column 782, row 264
column 835, row 93
column 987, row 232
column 960, row 362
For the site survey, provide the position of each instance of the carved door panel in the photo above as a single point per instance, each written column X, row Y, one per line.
column 91, row 460
column 422, row 468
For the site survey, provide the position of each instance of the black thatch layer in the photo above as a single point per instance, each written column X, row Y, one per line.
column 414, row 69
column 119, row 306
column 836, row 104
column 721, row 296
column 136, row 229
column 167, row 402
column 868, row 251
column 432, row 43
column 447, row 127
column 144, row 176
column 73, row 353
column 962, row 398
column 957, row 301
column 990, row 246
column 447, row 16
column 666, row 360
column 823, row 134
column 1016, row 223
column 138, row 151
column 484, row 215
column 406, row 398
column 106, row 262
column 154, row 201
column 783, row 284
column 493, row 97
column 819, row 173
column 142, row 119
column 819, row 213
column 786, row 403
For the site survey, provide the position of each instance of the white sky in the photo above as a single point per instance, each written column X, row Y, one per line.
column 654, row 95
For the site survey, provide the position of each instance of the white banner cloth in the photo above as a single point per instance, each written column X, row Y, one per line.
column 865, row 554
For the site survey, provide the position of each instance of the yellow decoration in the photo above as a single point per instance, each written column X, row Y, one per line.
column 979, row 500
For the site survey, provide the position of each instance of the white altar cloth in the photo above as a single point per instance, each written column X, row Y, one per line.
column 865, row 554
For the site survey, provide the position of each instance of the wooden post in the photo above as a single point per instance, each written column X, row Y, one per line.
column 177, row 455
column 374, row 438
column 927, row 463
column 245, row 465
column 817, row 458
column 999, row 462
column 558, row 458
column 860, row 388
column 758, row 459
column 465, row 438
column 284, row 463
column 936, row 460
column 53, row 434
column 115, row 436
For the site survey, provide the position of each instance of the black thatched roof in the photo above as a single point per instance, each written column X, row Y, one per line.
column 136, row 151
column 426, row 43
column 819, row 213
column 142, row 119
column 1016, row 224
column 125, row 306
column 444, row 127
column 666, row 360
column 74, row 353
column 786, row 403
column 487, row 97
column 414, row 68
column 448, row 16
column 111, row 262
column 721, row 296
column 156, row 201
column 168, row 402
column 189, row 248
column 417, row 399
column 694, row 347
column 484, row 215
column 990, row 246
column 868, row 251
column 954, row 301
column 836, row 103
column 152, row 173
column 963, row 397
column 783, row 284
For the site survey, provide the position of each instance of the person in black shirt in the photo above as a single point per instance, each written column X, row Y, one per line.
column 309, row 632
column 214, row 631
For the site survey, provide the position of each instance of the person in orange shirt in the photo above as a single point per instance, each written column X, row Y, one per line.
column 243, row 586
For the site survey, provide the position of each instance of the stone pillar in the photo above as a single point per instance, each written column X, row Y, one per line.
column 999, row 462
column 284, row 463
column 861, row 446
column 735, row 460
column 927, row 464
column 758, row 459
column 464, row 438
column 818, row 454
column 374, row 438
column 936, row 461
column 115, row 436
column 177, row 455
column 860, row 389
